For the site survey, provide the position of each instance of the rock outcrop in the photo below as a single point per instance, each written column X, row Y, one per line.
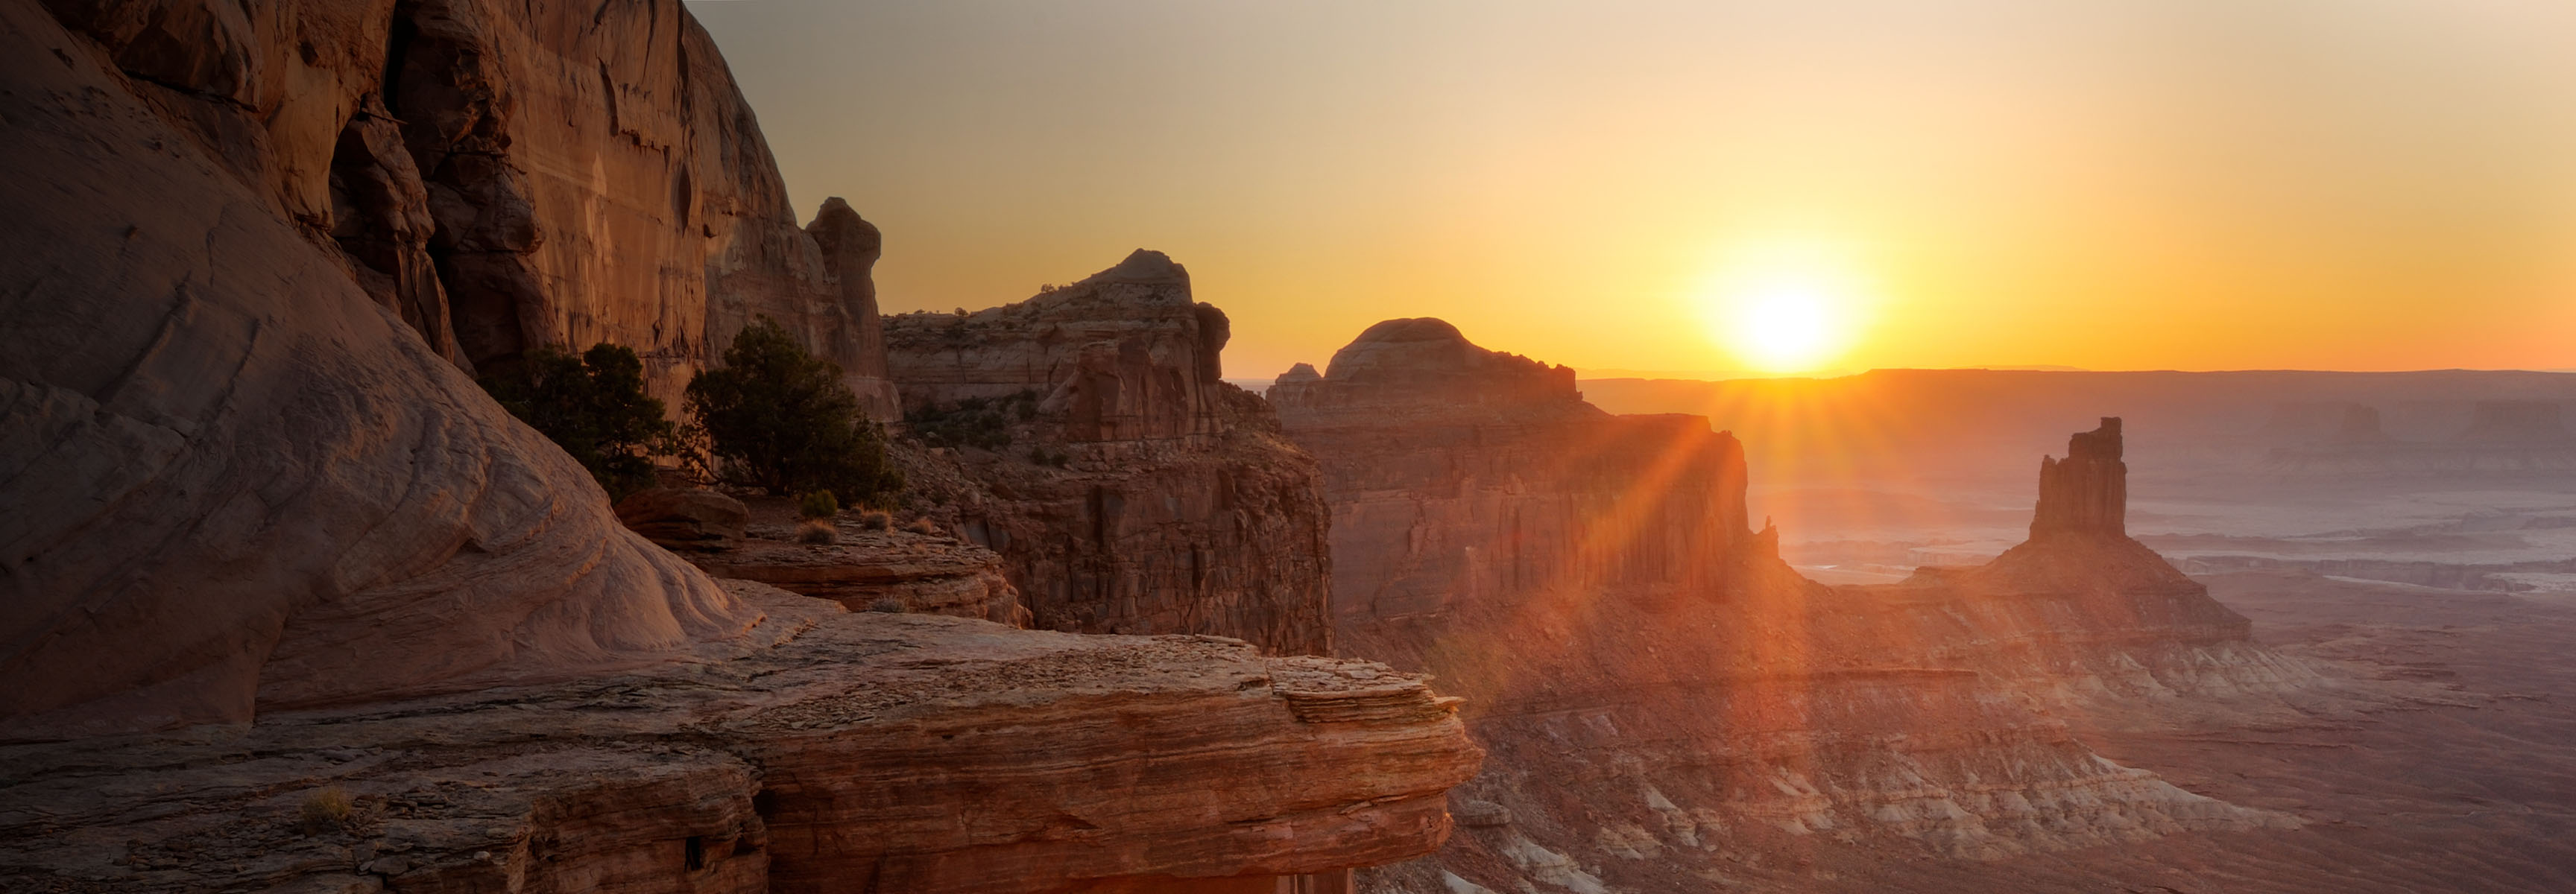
column 1664, row 701
column 505, row 178
column 685, row 520
column 1087, row 438
column 838, row 751
column 238, row 482
column 877, row 571
column 1458, row 474
column 2080, row 614
column 2088, row 491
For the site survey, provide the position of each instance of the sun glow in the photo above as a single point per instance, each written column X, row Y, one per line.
column 1785, row 308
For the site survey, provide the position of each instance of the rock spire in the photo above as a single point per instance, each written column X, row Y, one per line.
column 2088, row 491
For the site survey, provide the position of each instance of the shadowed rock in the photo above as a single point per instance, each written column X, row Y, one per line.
column 1127, row 487
column 685, row 520
column 2088, row 491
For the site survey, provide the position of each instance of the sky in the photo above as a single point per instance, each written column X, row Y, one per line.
column 1704, row 187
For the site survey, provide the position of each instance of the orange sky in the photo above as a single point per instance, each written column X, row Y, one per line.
column 2110, row 184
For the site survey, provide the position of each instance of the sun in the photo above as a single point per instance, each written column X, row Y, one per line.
column 1784, row 309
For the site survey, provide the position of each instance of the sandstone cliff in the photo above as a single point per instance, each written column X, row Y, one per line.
column 507, row 177
column 237, row 481
column 1664, row 702
column 1458, row 474
column 1088, row 439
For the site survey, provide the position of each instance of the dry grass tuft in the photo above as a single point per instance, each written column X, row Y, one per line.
column 888, row 605
column 817, row 531
column 323, row 810
column 876, row 521
column 922, row 526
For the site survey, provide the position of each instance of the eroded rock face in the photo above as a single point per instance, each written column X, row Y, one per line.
column 1462, row 475
column 509, row 177
column 833, row 751
column 2087, row 493
column 1129, row 488
column 240, row 483
column 891, row 570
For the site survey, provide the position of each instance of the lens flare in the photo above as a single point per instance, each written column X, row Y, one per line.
column 1785, row 308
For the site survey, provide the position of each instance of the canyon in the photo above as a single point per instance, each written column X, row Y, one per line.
column 1667, row 704
column 293, row 605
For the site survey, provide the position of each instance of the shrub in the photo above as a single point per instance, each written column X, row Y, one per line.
column 983, row 422
column 814, row 504
column 594, row 407
column 779, row 419
column 876, row 521
column 817, row 531
column 325, row 809
column 922, row 526
column 888, row 605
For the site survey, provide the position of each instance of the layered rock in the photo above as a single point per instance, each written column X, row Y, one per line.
column 2518, row 422
column 2080, row 613
column 1462, row 475
column 238, row 483
column 1664, row 701
column 2088, row 491
column 877, row 571
column 838, row 751
column 1090, row 441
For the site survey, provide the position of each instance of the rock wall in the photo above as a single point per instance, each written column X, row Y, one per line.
column 1127, row 487
column 506, row 177
column 237, row 482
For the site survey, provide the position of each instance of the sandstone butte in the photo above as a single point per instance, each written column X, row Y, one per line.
column 1138, row 492
column 1665, row 703
column 292, row 605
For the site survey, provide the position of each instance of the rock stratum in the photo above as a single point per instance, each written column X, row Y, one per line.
column 272, row 552
column 1127, row 487
column 1667, row 705
column 832, row 752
